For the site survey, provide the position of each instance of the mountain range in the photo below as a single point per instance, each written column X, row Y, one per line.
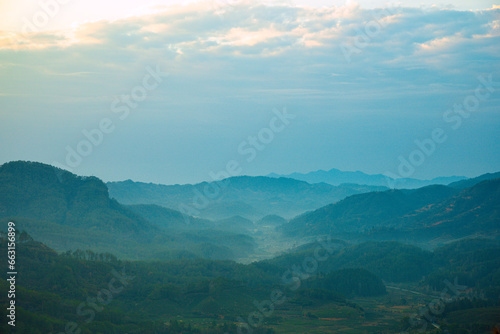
column 249, row 214
column 337, row 177
column 69, row 212
column 425, row 213
column 249, row 197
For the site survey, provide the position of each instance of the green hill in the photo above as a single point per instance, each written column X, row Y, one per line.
column 41, row 192
column 434, row 212
column 250, row 197
column 473, row 211
column 472, row 182
column 69, row 212
column 210, row 297
column 363, row 212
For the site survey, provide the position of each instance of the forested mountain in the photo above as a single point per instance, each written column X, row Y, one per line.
column 360, row 213
column 349, row 282
column 337, row 177
column 392, row 261
column 474, row 262
column 147, row 293
column 236, row 224
column 250, row 197
column 97, row 293
column 272, row 220
column 474, row 210
column 85, row 239
column 167, row 218
column 41, row 192
column 68, row 212
column 132, row 297
column 472, row 182
column 421, row 214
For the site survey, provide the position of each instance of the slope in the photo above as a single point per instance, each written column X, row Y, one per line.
column 69, row 212
column 250, row 197
column 337, row 177
column 475, row 210
column 360, row 213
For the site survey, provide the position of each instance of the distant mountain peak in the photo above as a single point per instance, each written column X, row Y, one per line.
column 250, row 196
column 337, row 177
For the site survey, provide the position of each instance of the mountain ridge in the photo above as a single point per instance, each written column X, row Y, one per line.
column 337, row 177
column 430, row 212
column 250, row 196
column 365, row 211
column 69, row 212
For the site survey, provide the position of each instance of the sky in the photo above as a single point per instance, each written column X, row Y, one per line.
column 185, row 91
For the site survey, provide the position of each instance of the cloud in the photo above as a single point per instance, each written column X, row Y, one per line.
column 265, row 47
column 246, row 59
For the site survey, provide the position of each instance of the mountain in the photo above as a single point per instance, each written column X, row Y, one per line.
column 363, row 212
column 169, row 219
column 271, row 220
column 249, row 197
column 210, row 297
column 473, row 211
column 422, row 214
column 169, row 288
column 36, row 191
column 470, row 260
column 237, row 224
column 337, row 177
column 69, row 212
column 57, row 289
column 350, row 282
column 472, row 182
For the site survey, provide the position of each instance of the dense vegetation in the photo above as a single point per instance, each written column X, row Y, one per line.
column 252, row 197
column 350, row 282
column 53, row 285
column 365, row 211
column 154, row 270
column 205, row 296
column 68, row 212
column 418, row 215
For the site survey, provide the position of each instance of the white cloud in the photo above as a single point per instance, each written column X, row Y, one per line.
column 300, row 45
column 253, row 56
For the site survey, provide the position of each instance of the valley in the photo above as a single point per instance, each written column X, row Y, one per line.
column 371, row 261
column 249, row 167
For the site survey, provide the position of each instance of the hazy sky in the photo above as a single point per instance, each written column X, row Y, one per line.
column 83, row 84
